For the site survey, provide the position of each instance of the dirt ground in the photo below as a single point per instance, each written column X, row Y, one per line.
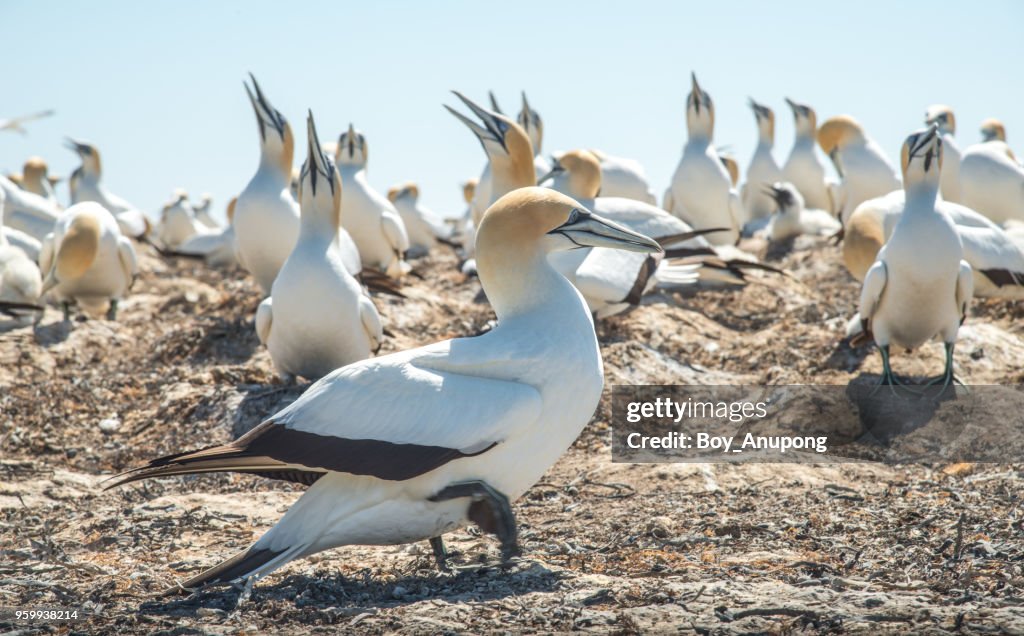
column 607, row 547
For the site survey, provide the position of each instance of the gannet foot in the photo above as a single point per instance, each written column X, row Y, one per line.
column 112, row 310
column 441, row 555
column 490, row 510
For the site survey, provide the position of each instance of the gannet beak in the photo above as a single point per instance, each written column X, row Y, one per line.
column 760, row 112
column 556, row 168
column 586, row 229
column 492, row 128
column 494, row 103
column 928, row 143
column 351, row 140
column 76, row 146
column 265, row 113
column 317, row 163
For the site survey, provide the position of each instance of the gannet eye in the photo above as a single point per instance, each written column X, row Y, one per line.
column 574, row 216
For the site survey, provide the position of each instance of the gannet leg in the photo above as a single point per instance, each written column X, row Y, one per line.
column 440, row 554
column 112, row 310
column 490, row 510
column 66, row 306
column 947, row 377
column 888, row 377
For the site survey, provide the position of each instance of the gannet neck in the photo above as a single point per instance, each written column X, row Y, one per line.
column 518, row 281
column 584, row 170
column 319, row 192
column 277, row 154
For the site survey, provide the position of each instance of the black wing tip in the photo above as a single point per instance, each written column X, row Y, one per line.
column 226, row 572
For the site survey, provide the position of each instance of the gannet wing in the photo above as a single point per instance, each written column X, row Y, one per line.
column 393, row 418
column 394, row 231
column 993, row 254
column 964, row 288
column 129, row 264
column 370, row 319
column 264, row 319
column 871, row 292
column 46, row 254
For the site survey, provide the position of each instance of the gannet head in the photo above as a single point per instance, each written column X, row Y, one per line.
column 276, row 140
column 765, row 120
column 921, row 157
column 35, row 167
column 408, row 190
column 88, row 153
column 993, row 130
column 700, row 111
column 804, row 118
column 942, row 116
column 319, row 181
column 468, row 190
column 505, row 142
column 836, row 133
column 531, row 122
column 352, row 148
column 77, row 251
column 786, row 197
column 582, row 172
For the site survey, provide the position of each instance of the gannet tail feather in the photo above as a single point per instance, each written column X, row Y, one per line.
column 381, row 283
column 252, row 561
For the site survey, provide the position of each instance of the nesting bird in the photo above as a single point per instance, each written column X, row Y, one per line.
column 366, row 214
column 178, row 222
column 421, row 224
column 86, row 185
column 862, row 165
column 991, row 180
column 762, row 171
column 803, row 168
column 317, row 318
column 435, row 437
column 701, row 192
column 28, row 212
column 792, row 218
column 216, row 247
column 87, row 261
column 920, row 285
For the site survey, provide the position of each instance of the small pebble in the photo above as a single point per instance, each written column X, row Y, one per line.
column 110, row 425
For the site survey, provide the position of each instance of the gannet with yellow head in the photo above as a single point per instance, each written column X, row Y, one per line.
column 436, row 437
column 920, row 285
column 422, row 225
column 317, row 318
column 942, row 117
column 87, row 261
column 36, row 179
column 803, row 168
column 762, row 171
column 86, row 185
column 701, row 192
column 861, row 163
column 367, row 215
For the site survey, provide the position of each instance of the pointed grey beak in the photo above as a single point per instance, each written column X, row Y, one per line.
column 556, row 168
column 492, row 128
column 586, row 229
column 76, row 146
column 494, row 102
column 266, row 114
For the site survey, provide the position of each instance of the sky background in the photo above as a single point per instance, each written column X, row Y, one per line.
column 157, row 86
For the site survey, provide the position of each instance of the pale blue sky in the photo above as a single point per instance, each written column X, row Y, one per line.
column 158, row 85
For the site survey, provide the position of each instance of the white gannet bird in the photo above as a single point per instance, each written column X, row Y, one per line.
column 991, row 180
column 942, row 116
column 624, row 177
column 803, row 168
column 317, row 317
column 85, row 185
column 16, row 123
column 920, row 286
column 996, row 258
column 462, row 225
column 35, row 179
column 28, row 212
column 701, row 193
column 203, row 211
column 414, row 444
column 762, row 171
column 865, row 171
column 421, row 224
column 792, row 218
column 266, row 215
column 86, row 260
column 216, row 247
column 369, row 217
column 21, row 284
column 531, row 122
column 178, row 222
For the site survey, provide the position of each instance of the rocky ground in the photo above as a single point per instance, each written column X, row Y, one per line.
column 608, row 547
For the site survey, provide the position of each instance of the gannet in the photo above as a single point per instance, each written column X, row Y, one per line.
column 86, row 260
column 21, row 240
column 21, row 284
column 202, row 211
column 15, row 123
column 35, row 179
column 762, row 171
column 369, row 217
column 792, row 218
column 462, row 225
column 862, row 165
column 28, row 212
column 531, row 122
column 217, row 247
column 803, row 168
column 417, row 443
column 624, row 177
column 85, row 186
column 991, row 180
column 421, row 224
column 178, row 222
column 920, row 285
column 996, row 258
column 266, row 215
column 942, row 116
column 701, row 193
column 731, row 166
column 317, row 318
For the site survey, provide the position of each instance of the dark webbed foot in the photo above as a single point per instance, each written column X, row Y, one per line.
column 490, row 510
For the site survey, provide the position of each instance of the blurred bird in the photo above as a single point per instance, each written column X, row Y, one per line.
column 761, row 173
column 16, row 123
column 21, row 284
column 217, row 247
column 865, row 171
column 942, row 116
column 432, row 438
column 423, row 226
column 369, row 217
column 803, row 168
column 178, row 222
column 202, row 211
column 85, row 185
column 87, row 261
column 920, row 285
column 991, row 180
column 792, row 218
column 531, row 122
column 317, row 318
column 35, row 179
column 701, row 192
